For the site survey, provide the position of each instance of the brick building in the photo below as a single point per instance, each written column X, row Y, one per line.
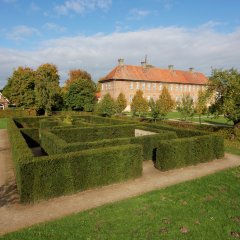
column 3, row 102
column 128, row 79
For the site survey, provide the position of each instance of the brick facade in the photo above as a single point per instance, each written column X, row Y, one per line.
column 128, row 79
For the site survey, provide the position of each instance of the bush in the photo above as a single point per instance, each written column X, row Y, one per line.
column 182, row 152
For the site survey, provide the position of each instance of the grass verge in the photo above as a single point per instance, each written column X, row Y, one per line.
column 3, row 123
column 206, row 208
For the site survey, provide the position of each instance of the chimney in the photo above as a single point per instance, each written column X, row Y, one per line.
column 144, row 64
column 170, row 67
column 191, row 69
column 121, row 62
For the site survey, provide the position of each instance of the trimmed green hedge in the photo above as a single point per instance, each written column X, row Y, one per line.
column 8, row 113
column 52, row 144
column 181, row 133
column 31, row 136
column 182, row 152
column 87, row 134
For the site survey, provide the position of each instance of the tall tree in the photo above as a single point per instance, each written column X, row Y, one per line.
column 75, row 75
column 165, row 103
column 20, row 87
column 201, row 105
column 225, row 90
column 185, row 107
column 47, row 88
column 81, row 95
column 154, row 109
column 121, row 103
column 106, row 107
column 139, row 103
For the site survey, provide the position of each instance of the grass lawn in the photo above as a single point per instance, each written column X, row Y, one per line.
column 207, row 208
column 3, row 123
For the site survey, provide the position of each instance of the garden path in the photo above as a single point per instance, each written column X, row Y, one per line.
column 14, row 216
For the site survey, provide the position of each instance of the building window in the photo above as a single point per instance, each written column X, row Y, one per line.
column 131, row 85
column 109, row 86
column 193, row 87
column 102, row 86
column 143, row 86
column 197, row 87
column 130, row 98
column 189, row 87
column 181, row 87
column 185, row 88
column 149, row 86
column 137, row 85
column 176, row 86
column 171, row 87
column 160, row 86
column 154, row 86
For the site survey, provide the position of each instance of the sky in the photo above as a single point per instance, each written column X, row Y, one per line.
column 93, row 34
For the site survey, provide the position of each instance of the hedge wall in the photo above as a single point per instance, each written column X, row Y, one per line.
column 53, row 144
column 182, row 152
column 87, row 134
column 31, row 136
column 8, row 113
column 181, row 133
column 61, row 174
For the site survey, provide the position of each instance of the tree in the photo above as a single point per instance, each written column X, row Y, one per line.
column 201, row 105
column 225, row 90
column 20, row 87
column 154, row 109
column 75, row 75
column 185, row 107
column 139, row 103
column 47, row 88
column 81, row 95
column 165, row 103
column 106, row 107
column 121, row 103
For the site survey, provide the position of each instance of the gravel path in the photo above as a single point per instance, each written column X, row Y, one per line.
column 14, row 216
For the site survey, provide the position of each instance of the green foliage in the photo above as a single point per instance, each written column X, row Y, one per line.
column 154, row 109
column 47, row 90
column 20, row 87
column 106, row 107
column 139, row 104
column 226, row 83
column 165, row 103
column 201, row 105
column 81, row 95
column 185, row 107
column 121, row 103
column 17, row 113
column 178, row 153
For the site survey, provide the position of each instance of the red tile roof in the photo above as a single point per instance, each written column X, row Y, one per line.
column 139, row 73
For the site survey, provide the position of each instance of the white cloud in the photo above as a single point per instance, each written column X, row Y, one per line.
column 137, row 14
column 54, row 27
column 80, row 6
column 200, row 48
column 34, row 7
column 21, row 32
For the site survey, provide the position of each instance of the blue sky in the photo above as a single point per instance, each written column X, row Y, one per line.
column 93, row 34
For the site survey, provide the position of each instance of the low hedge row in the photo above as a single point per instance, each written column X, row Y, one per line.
column 86, row 134
column 181, row 133
column 67, row 173
column 8, row 113
column 52, row 144
column 182, row 152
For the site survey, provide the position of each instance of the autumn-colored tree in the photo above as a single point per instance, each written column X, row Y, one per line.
column 20, row 87
column 154, row 109
column 201, row 105
column 106, row 107
column 185, row 107
column 121, row 103
column 165, row 103
column 81, row 95
column 75, row 75
column 139, row 104
column 47, row 88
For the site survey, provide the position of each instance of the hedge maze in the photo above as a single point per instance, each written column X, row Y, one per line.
column 90, row 151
